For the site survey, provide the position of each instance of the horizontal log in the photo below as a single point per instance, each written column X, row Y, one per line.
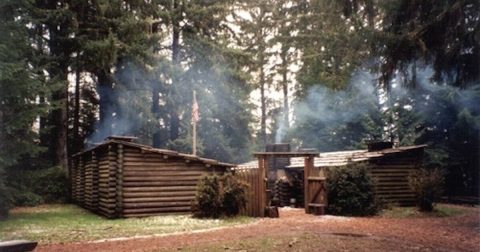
column 158, row 186
column 159, row 189
column 396, row 161
column 385, row 191
column 387, row 179
column 157, row 210
column 128, row 173
column 105, row 207
column 154, row 156
column 160, row 178
column 399, row 174
column 107, row 200
column 399, row 198
column 159, row 183
column 104, row 174
column 388, row 187
column 390, row 176
column 397, row 194
column 108, row 211
column 157, row 194
column 202, row 171
column 106, row 189
column 172, row 199
column 390, row 183
column 140, row 215
column 150, row 163
column 154, row 204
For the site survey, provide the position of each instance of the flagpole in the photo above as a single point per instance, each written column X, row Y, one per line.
column 194, row 146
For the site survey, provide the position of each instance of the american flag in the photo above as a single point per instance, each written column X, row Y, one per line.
column 195, row 113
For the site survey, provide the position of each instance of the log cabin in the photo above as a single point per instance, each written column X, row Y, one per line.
column 119, row 178
column 389, row 167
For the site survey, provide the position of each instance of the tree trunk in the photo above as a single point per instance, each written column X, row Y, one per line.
column 59, row 129
column 174, row 118
column 76, row 113
column 263, row 121
column 58, row 72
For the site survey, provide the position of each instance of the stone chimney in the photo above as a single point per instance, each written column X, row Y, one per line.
column 379, row 145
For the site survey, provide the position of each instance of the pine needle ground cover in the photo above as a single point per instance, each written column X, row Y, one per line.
column 440, row 210
column 69, row 223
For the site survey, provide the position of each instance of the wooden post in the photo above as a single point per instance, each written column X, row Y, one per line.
column 112, row 178
column 262, row 190
column 119, row 178
column 306, row 173
column 81, row 180
column 264, row 186
column 73, row 177
column 95, row 176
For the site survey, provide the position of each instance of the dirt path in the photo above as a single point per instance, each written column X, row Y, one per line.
column 458, row 233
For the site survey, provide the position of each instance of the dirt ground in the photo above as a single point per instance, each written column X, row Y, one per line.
column 297, row 231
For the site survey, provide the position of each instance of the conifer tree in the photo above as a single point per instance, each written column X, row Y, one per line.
column 20, row 86
column 256, row 32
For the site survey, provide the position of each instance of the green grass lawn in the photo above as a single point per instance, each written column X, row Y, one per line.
column 67, row 223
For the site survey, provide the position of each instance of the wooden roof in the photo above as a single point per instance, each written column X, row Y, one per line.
column 166, row 152
column 287, row 154
column 338, row 158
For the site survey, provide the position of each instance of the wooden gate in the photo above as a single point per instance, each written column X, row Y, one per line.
column 257, row 179
column 315, row 192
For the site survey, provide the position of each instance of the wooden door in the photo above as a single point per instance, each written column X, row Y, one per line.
column 315, row 191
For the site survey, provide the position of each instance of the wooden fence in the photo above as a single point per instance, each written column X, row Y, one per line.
column 255, row 207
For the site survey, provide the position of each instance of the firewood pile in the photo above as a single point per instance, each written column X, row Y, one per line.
column 283, row 191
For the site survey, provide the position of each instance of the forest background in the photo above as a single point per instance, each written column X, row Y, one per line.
column 322, row 74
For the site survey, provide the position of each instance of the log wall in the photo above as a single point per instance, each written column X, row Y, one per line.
column 390, row 174
column 117, row 180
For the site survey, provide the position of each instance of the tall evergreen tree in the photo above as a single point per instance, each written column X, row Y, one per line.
column 209, row 66
column 112, row 36
column 54, row 21
column 255, row 22
column 441, row 33
column 20, row 87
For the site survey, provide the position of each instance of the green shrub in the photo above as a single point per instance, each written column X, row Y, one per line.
column 34, row 187
column 219, row 196
column 208, row 200
column 427, row 186
column 52, row 184
column 351, row 191
column 6, row 201
column 234, row 195
column 26, row 198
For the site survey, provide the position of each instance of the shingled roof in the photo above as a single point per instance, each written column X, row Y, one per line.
column 339, row 158
column 150, row 149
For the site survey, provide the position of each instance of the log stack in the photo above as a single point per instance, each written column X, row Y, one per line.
column 283, row 191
